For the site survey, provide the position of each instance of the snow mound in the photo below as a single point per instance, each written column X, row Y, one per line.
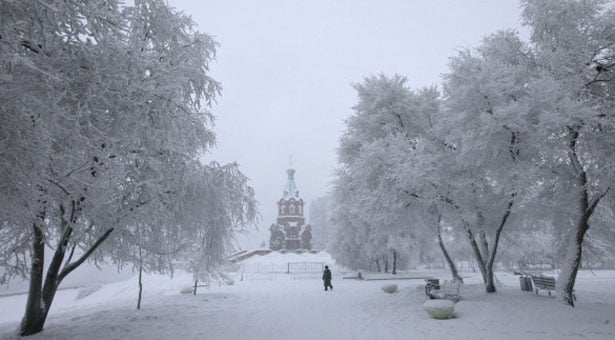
column 390, row 288
column 439, row 309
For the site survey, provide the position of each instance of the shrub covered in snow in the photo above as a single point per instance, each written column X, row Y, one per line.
column 439, row 309
column 390, row 288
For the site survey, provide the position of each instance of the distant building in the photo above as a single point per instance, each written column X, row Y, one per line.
column 320, row 212
column 290, row 231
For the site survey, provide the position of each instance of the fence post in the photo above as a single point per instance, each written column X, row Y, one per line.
column 288, row 268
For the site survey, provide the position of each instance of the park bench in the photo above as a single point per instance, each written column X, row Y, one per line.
column 448, row 290
column 545, row 283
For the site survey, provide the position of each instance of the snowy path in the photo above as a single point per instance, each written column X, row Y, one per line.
column 281, row 309
column 299, row 309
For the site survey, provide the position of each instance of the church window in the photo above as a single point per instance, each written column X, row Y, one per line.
column 292, row 209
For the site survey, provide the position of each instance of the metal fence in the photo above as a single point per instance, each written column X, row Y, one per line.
column 305, row 267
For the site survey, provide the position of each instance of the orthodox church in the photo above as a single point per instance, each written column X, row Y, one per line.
column 290, row 232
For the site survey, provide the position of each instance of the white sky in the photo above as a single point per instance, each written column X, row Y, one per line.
column 286, row 68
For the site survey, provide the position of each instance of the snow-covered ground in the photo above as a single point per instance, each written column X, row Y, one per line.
column 282, row 306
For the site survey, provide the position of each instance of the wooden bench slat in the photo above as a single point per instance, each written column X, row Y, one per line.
column 546, row 283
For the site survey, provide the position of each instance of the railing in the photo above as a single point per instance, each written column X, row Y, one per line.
column 305, row 267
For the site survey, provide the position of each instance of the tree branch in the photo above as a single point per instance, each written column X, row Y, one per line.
column 58, row 185
column 514, row 152
column 72, row 266
column 572, row 153
column 77, row 168
column 594, row 202
column 70, row 256
column 498, row 232
column 28, row 45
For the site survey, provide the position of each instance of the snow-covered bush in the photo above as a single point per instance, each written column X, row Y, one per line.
column 440, row 308
column 390, row 288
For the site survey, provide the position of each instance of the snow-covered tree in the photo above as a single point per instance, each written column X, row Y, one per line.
column 522, row 142
column 388, row 132
column 483, row 92
column 351, row 233
column 219, row 205
column 572, row 107
column 104, row 111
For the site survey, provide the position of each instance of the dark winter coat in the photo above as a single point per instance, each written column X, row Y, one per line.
column 326, row 275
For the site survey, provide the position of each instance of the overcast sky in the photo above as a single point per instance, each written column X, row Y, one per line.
column 286, row 67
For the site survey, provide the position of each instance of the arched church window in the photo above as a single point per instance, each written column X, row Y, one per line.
column 283, row 210
column 292, row 209
column 300, row 209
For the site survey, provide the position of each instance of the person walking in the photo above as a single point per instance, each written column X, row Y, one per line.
column 326, row 277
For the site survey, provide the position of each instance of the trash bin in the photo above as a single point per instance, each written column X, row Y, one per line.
column 525, row 283
column 431, row 284
column 528, row 284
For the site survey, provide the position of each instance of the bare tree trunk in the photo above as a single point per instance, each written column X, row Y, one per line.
column 386, row 264
column 41, row 294
column 480, row 261
column 53, row 279
column 478, row 257
column 490, row 284
column 450, row 262
column 394, row 272
column 572, row 260
column 196, row 282
column 486, row 261
column 570, row 268
column 46, row 293
column 378, row 265
column 140, row 287
column 34, row 317
column 140, row 281
column 484, row 244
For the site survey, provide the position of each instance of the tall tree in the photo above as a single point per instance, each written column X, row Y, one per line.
column 389, row 131
column 483, row 90
column 572, row 105
column 106, row 109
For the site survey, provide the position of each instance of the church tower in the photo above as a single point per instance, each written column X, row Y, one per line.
column 290, row 232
